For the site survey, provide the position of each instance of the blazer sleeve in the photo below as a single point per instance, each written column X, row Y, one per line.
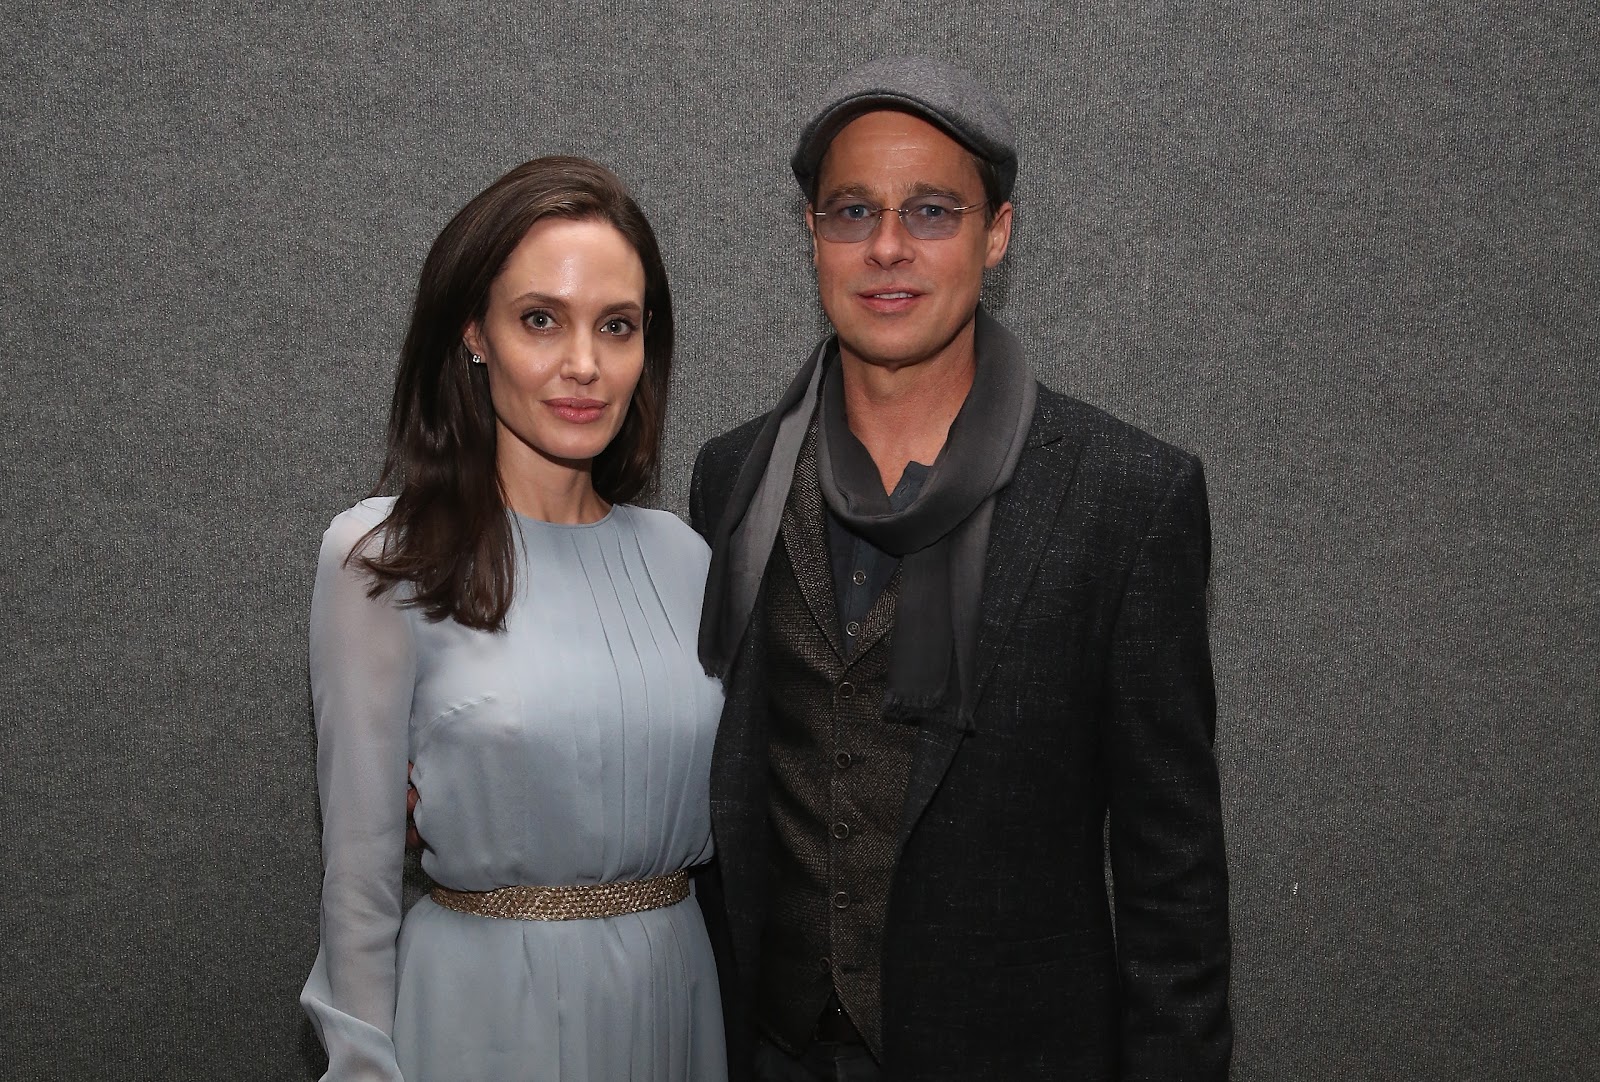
column 1168, row 863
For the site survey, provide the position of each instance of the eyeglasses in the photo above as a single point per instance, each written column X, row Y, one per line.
column 924, row 219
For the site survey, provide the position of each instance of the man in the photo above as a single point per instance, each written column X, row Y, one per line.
column 961, row 621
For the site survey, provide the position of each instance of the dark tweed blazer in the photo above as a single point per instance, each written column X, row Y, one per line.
column 1003, row 958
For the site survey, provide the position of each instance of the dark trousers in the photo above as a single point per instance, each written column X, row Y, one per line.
column 823, row 1061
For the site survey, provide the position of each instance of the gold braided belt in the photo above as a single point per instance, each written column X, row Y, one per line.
column 576, row 902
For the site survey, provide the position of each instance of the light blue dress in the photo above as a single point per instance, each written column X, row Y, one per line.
column 573, row 747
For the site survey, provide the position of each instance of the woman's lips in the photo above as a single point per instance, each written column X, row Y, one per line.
column 888, row 301
column 580, row 411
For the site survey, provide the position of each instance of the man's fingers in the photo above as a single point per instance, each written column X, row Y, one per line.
column 413, row 839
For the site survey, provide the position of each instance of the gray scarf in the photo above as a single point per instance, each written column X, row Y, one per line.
column 941, row 538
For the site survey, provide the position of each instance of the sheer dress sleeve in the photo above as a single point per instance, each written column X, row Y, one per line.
column 363, row 669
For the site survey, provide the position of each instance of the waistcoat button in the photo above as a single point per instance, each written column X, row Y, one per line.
column 841, row 900
column 846, row 689
column 842, row 760
column 841, row 831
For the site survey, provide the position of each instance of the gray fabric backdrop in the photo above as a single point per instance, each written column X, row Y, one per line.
column 1345, row 252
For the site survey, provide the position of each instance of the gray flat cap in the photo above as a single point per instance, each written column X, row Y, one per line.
column 940, row 93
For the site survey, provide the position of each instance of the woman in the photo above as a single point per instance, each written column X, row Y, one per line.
column 524, row 636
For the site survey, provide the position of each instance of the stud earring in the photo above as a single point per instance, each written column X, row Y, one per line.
column 476, row 359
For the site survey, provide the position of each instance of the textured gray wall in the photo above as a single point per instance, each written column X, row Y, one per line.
column 1346, row 252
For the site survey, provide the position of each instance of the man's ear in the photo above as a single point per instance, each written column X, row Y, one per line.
column 999, row 236
column 811, row 227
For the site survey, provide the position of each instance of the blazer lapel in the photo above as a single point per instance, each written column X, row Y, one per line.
column 804, row 535
column 1023, row 516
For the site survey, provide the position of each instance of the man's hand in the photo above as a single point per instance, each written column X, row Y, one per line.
column 413, row 839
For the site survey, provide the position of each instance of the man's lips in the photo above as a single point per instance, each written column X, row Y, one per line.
column 889, row 299
column 577, row 410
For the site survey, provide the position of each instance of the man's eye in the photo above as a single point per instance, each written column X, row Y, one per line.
column 930, row 211
column 855, row 212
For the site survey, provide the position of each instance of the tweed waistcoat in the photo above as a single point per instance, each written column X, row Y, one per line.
column 837, row 787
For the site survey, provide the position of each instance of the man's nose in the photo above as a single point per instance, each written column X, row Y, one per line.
column 889, row 242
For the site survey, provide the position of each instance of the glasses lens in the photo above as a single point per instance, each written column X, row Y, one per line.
column 932, row 219
column 848, row 222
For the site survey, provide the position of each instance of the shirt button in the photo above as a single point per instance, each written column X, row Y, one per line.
column 841, row 831
column 841, row 900
column 846, row 689
column 859, row 578
column 852, row 628
column 842, row 760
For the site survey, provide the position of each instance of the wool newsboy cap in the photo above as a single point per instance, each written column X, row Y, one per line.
column 944, row 95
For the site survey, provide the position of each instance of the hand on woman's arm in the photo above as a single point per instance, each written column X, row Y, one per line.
column 413, row 839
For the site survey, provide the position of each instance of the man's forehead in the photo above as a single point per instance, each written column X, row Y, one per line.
column 890, row 147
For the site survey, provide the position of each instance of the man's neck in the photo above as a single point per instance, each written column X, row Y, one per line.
column 903, row 414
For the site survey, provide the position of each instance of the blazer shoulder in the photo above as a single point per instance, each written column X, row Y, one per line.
column 736, row 441
column 721, row 457
column 1107, row 441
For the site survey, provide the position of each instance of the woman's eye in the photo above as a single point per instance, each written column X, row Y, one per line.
column 539, row 320
column 618, row 326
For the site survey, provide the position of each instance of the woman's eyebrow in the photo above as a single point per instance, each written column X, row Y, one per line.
column 626, row 305
column 533, row 296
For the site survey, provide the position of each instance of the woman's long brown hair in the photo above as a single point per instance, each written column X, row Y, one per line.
column 449, row 534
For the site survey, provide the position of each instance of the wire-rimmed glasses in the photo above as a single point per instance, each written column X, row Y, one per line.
column 925, row 218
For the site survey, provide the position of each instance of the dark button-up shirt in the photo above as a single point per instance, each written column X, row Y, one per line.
column 861, row 569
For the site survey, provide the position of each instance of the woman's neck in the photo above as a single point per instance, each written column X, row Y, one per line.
column 550, row 490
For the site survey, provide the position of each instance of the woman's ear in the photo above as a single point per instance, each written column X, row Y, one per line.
column 472, row 338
